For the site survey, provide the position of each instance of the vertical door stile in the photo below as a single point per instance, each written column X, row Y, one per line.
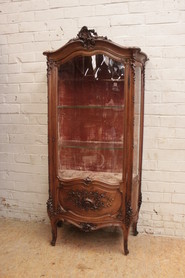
column 141, row 127
column 54, row 136
column 125, row 128
column 130, row 129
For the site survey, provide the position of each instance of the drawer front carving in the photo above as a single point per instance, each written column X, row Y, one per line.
column 90, row 200
column 93, row 200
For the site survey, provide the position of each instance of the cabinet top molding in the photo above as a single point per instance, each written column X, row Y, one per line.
column 88, row 42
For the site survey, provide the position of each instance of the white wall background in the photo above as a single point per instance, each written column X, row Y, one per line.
column 28, row 28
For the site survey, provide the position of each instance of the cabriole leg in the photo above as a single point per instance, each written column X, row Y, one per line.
column 134, row 228
column 125, row 239
column 54, row 232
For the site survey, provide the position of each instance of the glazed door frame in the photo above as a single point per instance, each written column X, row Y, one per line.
column 53, row 65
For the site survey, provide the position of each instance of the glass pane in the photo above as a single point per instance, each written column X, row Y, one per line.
column 137, row 111
column 90, row 118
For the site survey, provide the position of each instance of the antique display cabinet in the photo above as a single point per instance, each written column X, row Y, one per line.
column 95, row 134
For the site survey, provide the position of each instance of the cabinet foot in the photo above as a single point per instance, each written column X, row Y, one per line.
column 53, row 242
column 126, row 251
column 59, row 224
column 134, row 229
column 54, row 233
column 125, row 240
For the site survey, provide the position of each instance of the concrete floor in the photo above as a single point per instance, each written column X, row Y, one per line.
column 25, row 252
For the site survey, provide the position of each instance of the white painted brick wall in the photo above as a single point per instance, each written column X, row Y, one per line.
column 30, row 27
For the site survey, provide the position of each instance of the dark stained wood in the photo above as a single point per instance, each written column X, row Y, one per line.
column 91, row 91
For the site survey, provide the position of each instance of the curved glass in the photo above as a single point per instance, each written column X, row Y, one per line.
column 137, row 116
column 90, row 118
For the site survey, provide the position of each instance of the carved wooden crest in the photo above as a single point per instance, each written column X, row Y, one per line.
column 88, row 37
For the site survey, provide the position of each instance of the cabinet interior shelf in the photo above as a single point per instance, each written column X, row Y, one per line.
column 94, row 145
column 90, row 107
column 92, row 80
column 93, row 148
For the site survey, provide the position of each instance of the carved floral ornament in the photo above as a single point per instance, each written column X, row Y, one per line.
column 92, row 200
column 87, row 181
column 87, row 227
column 89, row 200
column 50, row 65
column 88, row 37
column 133, row 66
column 128, row 217
column 50, row 207
column 129, row 214
column 140, row 200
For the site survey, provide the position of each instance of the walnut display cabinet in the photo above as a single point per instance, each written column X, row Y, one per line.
column 95, row 134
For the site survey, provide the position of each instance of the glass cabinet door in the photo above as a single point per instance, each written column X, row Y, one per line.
column 91, row 118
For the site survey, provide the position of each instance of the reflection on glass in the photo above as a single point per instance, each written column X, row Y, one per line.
column 137, row 111
column 90, row 118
